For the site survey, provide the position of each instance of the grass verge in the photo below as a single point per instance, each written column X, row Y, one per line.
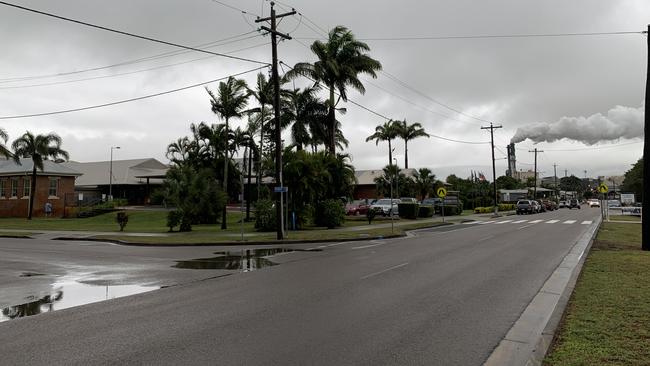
column 15, row 234
column 607, row 321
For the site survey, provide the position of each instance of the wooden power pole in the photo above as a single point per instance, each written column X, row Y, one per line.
column 645, row 224
column 494, row 171
column 535, row 187
column 276, row 106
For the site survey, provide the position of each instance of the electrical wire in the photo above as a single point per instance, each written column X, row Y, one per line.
column 234, row 8
column 129, row 34
column 130, row 99
column 493, row 36
column 221, row 42
column 126, row 73
column 390, row 119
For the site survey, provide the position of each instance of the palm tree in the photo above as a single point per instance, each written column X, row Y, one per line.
column 409, row 132
column 386, row 132
column 424, row 181
column 229, row 103
column 305, row 110
column 341, row 60
column 38, row 148
column 3, row 149
column 263, row 94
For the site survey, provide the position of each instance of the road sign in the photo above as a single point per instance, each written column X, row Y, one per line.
column 602, row 188
column 280, row 189
column 441, row 192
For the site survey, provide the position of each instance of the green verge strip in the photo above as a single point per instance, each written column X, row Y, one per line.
column 607, row 321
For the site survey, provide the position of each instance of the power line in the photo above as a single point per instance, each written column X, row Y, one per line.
column 221, row 42
column 125, row 73
column 130, row 99
column 492, row 36
column 390, row 119
column 129, row 34
column 235, row 8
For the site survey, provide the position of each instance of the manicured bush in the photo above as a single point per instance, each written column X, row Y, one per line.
column 122, row 219
column 452, row 210
column 408, row 210
column 265, row 217
column 506, row 206
column 425, row 211
column 330, row 213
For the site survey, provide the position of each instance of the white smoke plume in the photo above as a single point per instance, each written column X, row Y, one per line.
column 620, row 122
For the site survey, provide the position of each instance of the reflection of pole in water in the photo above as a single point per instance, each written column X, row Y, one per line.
column 248, row 259
column 106, row 292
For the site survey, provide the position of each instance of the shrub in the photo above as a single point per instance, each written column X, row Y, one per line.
column 265, row 217
column 122, row 219
column 425, row 211
column 452, row 210
column 408, row 210
column 506, row 206
column 330, row 213
column 174, row 219
column 304, row 216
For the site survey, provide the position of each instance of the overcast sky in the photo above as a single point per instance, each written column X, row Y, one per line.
column 547, row 84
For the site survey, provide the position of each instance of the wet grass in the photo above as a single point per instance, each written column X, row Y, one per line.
column 15, row 234
column 607, row 321
column 625, row 218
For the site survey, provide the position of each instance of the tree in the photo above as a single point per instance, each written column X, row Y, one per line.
column 229, row 102
column 633, row 181
column 531, row 182
column 263, row 94
column 39, row 148
column 424, row 181
column 572, row 183
column 505, row 182
column 386, row 132
column 3, row 149
column 409, row 132
column 341, row 60
column 307, row 112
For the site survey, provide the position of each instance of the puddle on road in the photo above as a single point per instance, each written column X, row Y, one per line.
column 69, row 294
column 243, row 261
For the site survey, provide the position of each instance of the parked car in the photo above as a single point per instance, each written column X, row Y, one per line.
column 593, row 202
column 549, row 205
column 562, row 204
column 430, row 201
column 408, row 200
column 385, row 207
column 536, row 206
column 525, row 207
column 574, row 203
column 358, row 207
column 542, row 207
column 613, row 203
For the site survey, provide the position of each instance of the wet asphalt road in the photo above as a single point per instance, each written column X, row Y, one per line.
column 441, row 298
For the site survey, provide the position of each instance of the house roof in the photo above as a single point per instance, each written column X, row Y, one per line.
column 125, row 172
column 367, row 177
column 9, row 167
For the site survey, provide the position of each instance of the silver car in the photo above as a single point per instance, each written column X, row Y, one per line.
column 385, row 207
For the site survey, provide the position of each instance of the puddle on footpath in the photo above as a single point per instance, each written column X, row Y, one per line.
column 69, row 294
column 243, row 261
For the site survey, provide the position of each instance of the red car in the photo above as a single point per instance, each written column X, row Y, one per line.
column 359, row 207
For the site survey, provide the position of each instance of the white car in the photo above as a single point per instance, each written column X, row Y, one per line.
column 385, row 207
column 593, row 202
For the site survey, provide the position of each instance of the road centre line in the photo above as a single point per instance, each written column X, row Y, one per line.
column 485, row 238
column 525, row 226
column 569, row 222
column 487, row 222
column 503, row 222
column 519, row 221
column 536, row 221
column 552, row 221
column 367, row 246
column 384, row 271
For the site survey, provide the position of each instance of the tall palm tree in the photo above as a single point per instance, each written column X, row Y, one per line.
column 409, row 132
column 424, row 181
column 230, row 101
column 263, row 94
column 3, row 149
column 38, row 148
column 386, row 132
column 341, row 60
column 305, row 110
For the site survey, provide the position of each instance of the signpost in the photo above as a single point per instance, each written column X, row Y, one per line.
column 282, row 191
column 442, row 193
column 604, row 206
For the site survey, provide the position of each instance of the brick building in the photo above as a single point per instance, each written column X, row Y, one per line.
column 55, row 184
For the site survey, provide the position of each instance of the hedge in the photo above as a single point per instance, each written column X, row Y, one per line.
column 489, row 209
column 425, row 211
column 408, row 210
column 330, row 213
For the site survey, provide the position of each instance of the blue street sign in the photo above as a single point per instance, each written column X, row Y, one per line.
column 280, row 189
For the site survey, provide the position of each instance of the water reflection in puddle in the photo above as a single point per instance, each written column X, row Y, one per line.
column 69, row 294
column 244, row 260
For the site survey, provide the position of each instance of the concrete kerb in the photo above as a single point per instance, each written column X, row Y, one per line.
column 529, row 339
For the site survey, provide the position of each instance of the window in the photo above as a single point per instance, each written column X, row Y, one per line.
column 27, row 187
column 54, row 183
column 3, row 183
column 14, row 187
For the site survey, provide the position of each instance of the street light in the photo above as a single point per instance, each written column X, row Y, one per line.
column 110, row 174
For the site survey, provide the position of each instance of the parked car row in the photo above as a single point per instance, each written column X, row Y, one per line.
column 535, row 206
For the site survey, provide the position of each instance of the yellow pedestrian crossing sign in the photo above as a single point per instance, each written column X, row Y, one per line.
column 602, row 188
column 441, row 192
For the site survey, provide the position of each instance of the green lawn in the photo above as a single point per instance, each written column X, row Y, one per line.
column 608, row 318
column 625, row 218
column 15, row 234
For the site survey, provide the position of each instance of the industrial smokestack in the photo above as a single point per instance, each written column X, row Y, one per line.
column 620, row 122
column 512, row 160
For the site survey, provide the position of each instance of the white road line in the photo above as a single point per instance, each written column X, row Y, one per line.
column 536, row 221
column 503, row 222
column 587, row 222
column 384, row 271
column 519, row 221
column 335, row 244
column 552, row 221
column 366, row 246
column 487, row 222
column 525, row 226
column 569, row 222
column 470, row 222
column 485, row 238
